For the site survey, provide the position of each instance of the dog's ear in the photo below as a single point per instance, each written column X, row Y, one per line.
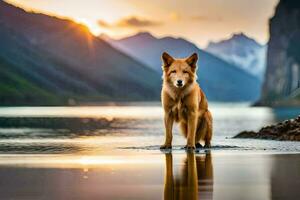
column 192, row 60
column 166, row 59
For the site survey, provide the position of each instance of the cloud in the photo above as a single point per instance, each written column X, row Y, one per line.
column 103, row 23
column 129, row 22
column 137, row 22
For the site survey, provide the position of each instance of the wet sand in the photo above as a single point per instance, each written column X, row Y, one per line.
column 153, row 175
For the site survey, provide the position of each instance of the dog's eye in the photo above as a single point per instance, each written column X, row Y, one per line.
column 173, row 71
column 184, row 71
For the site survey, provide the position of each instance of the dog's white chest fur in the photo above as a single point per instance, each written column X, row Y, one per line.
column 179, row 111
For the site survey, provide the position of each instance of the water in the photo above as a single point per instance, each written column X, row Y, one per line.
column 112, row 152
column 96, row 129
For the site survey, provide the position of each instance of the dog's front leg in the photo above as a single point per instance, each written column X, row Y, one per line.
column 191, row 129
column 168, row 119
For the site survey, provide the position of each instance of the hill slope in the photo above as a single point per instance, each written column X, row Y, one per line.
column 62, row 59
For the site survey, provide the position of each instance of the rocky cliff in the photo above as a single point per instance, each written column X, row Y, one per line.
column 282, row 78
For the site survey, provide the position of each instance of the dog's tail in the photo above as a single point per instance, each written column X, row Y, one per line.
column 205, row 128
column 209, row 123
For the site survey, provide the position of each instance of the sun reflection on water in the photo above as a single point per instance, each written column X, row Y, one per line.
column 76, row 161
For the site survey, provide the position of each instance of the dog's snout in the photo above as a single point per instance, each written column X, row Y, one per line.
column 179, row 83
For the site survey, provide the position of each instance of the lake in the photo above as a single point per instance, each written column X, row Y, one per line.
column 112, row 152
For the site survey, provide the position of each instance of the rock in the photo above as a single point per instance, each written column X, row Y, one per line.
column 286, row 130
column 246, row 134
column 282, row 77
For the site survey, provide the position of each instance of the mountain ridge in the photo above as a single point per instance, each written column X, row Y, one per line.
column 147, row 48
column 63, row 48
column 242, row 51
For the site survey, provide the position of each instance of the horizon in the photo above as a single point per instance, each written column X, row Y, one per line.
column 136, row 18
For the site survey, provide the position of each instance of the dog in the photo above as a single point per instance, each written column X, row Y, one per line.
column 184, row 102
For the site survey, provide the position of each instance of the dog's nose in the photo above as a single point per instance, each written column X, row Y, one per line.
column 179, row 82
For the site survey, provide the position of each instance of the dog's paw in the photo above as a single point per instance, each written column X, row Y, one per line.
column 198, row 145
column 189, row 148
column 164, row 146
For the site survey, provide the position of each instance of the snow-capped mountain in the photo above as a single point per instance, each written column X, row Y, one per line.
column 241, row 51
column 220, row 80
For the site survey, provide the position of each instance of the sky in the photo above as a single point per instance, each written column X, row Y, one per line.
column 199, row 21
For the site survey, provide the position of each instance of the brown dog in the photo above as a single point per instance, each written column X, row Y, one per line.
column 184, row 102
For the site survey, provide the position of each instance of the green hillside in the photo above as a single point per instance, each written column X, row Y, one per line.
column 47, row 60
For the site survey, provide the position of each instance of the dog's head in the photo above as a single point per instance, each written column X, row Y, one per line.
column 179, row 72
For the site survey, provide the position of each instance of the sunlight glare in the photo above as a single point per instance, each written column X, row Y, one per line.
column 94, row 28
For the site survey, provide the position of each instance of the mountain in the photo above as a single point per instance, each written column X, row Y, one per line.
column 220, row 80
column 282, row 78
column 241, row 51
column 47, row 60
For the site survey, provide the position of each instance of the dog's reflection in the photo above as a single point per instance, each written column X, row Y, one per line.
column 195, row 180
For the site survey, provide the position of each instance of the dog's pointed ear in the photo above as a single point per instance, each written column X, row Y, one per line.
column 166, row 59
column 192, row 60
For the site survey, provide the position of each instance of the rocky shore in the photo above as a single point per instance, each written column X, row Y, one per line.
column 287, row 130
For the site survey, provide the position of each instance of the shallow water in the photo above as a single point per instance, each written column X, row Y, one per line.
column 109, row 128
column 151, row 176
column 112, row 152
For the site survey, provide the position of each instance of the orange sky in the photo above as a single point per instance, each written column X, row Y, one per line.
column 199, row 21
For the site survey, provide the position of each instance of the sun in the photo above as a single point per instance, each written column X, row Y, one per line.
column 92, row 26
